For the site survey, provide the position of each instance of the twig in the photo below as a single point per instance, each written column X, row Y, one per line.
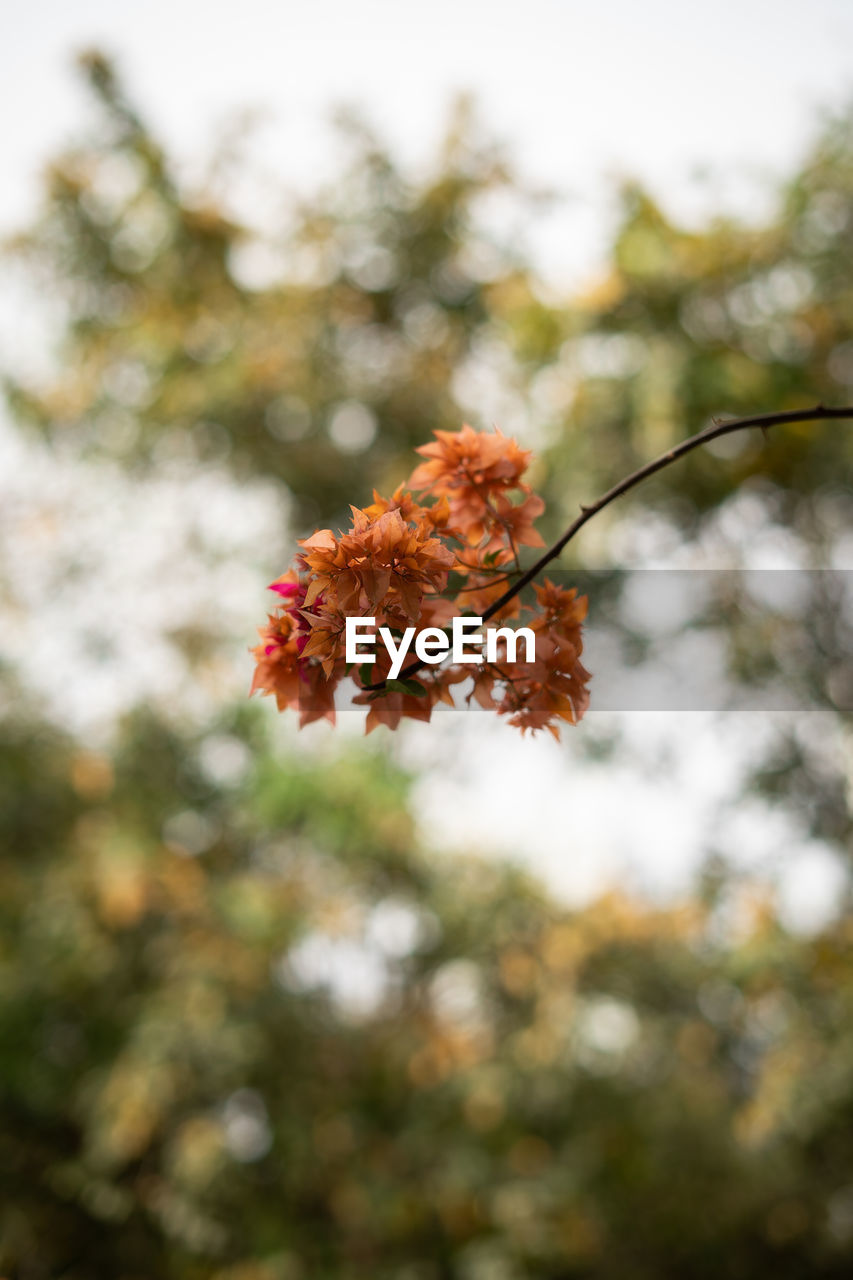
column 819, row 413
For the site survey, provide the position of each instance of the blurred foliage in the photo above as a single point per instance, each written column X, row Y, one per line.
column 730, row 319
column 251, row 1029
column 322, row 353
column 319, row 356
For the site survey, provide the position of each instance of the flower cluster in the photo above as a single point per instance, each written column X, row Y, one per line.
column 407, row 564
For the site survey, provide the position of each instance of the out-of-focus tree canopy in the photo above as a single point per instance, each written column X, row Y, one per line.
column 319, row 356
column 685, row 325
column 322, row 354
column 250, row 1028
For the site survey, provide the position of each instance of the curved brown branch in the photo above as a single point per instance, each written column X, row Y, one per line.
column 762, row 420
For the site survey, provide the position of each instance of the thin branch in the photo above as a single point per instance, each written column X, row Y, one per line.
column 762, row 420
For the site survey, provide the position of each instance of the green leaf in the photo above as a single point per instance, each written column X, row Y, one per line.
column 412, row 687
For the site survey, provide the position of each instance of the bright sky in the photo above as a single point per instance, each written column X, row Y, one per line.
column 581, row 91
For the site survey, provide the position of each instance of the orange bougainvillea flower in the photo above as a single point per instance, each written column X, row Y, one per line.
column 471, row 468
column 514, row 521
column 466, row 461
column 561, row 608
column 282, row 671
column 383, row 563
column 411, row 563
column 536, row 695
column 552, row 688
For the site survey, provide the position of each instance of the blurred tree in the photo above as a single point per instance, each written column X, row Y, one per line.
column 318, row 356
column 250, row 1030
column 686, row 325
column 323, row 356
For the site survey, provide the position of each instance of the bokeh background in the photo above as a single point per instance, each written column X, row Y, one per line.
column 445, row 1004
